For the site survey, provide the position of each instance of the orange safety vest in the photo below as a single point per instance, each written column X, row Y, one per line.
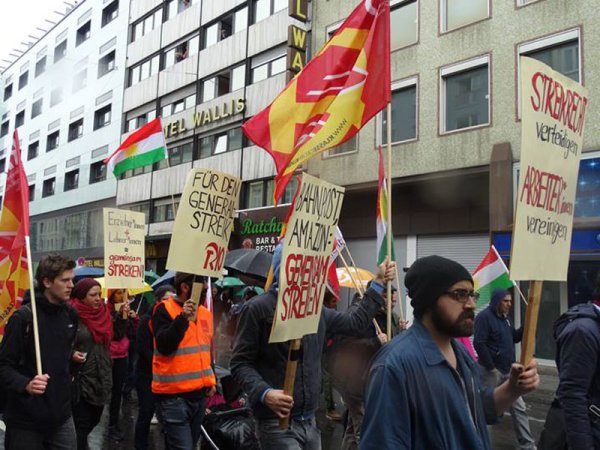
column 189, row 368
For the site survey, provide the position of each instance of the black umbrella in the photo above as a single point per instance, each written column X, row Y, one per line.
column 249, row 261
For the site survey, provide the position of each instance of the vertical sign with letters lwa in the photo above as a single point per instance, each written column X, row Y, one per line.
column 124, row 248
column 203, row 223
column 553, row 109
column 305, row 259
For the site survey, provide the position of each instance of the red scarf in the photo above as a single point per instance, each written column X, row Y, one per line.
column 97, row 320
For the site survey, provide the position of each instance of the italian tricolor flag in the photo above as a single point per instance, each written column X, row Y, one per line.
column 142, row 148
column 490, row 274
column 382, row 210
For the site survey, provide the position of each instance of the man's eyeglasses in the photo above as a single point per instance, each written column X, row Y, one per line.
column 462, row 295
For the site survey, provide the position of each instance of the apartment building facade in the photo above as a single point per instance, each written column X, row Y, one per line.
column 64, row 96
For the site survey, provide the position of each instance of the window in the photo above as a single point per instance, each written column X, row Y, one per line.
column 143, row 119
column 404, row 112
column 102, row 117
column 559, row 51
column 258, row 194
column 263, row 70
column 48, row 187
column 110, row 13
column 144, row 70
column 265, row 8
column 179, row 105
column 458, row 13
column 177, row 155
column 146, row 25
column 20, row 119
column 181, row 51
column 71, row 180
column 23, row 79
column 97, row 172
column 31, row 192
column 465, row 95
column 221, row 142
column 36, row 108
column 75, row 130
column 403, row 19
column 106, row 64
column 224, row 83
column 83, row 33
column 60, row 51
column 52, row 141
column 225, row 27
column 163, row 210
column 8, row 91
column 143, row 208
column 33, row 150
column 40, row 67
column 347, row 147
column 80, row 80
column 56, row 96
column 174, row 7
column 135, row 172
column 4, row 128
column 2, row 167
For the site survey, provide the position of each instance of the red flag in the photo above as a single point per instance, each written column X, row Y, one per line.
column 331, row 99
column 14, row 227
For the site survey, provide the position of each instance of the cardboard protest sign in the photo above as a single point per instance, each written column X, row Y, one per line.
column 553, row 110
column 305, row 259
column 124, row 248
column 204, row 222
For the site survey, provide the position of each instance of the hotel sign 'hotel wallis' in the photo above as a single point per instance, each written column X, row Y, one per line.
column 206, row 116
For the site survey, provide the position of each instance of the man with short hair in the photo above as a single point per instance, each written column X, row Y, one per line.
column 182, row 376
column 424, row 390
column 494, row 341
column 38, row 414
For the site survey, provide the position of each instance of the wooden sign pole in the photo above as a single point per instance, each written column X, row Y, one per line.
column 531, row 320
column 290, row 376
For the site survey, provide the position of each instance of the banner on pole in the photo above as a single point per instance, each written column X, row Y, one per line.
column 553, row 110
column 124, row 251
column 305, row 259
column 204, row 222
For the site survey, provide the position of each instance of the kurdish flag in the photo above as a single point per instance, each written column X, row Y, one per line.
column 382, row 211
column 330, row 100
column 142, row 148
column 490, row 274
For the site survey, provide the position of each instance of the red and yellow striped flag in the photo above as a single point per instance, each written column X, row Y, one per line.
column 14, row 227
column 331, row 99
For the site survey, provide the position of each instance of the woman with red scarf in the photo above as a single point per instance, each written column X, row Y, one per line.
column 94, row 374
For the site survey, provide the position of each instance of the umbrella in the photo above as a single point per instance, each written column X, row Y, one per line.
column 167, row 277
column 92, row 272
column 242, row 292
column 249, row 261
column 361, row 276
column 229, row 282
column 130, row 291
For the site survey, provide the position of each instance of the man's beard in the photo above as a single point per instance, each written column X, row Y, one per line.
column 459, row 328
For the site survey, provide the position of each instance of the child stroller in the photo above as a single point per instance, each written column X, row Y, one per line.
column 230, row 424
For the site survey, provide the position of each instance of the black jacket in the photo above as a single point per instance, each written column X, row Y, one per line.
column 145, row 350
column 57, row 328
column 257, row 365
column 577, row 334
column 94, row 376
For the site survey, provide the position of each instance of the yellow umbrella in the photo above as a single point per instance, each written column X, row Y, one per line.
column 361, row 276
column 130, row 291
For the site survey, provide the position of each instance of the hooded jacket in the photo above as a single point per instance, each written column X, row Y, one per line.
column 577, row 334
column 495, row 336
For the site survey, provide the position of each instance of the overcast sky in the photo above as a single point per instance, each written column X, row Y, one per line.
column 20, row 18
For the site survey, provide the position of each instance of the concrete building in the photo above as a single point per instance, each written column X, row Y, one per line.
column 64, row 95
column 456, row 134
column 204, row 67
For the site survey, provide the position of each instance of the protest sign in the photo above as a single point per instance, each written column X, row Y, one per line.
column 553, row 110
column 305, row 259
column 203, row 223
column 124, row 259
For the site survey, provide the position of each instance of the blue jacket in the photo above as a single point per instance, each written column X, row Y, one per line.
column 577, row 334
column 495, row 337
column 416, row 400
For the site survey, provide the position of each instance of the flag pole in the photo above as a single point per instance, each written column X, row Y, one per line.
column 389, row 216
column 520, row 292
column 172, row 196
column 507, row 271
column 36, row 333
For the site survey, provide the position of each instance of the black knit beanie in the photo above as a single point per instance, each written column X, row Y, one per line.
column 428, row 278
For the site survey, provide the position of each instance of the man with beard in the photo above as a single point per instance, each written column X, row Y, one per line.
column 424, row 390
column 494, row 341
